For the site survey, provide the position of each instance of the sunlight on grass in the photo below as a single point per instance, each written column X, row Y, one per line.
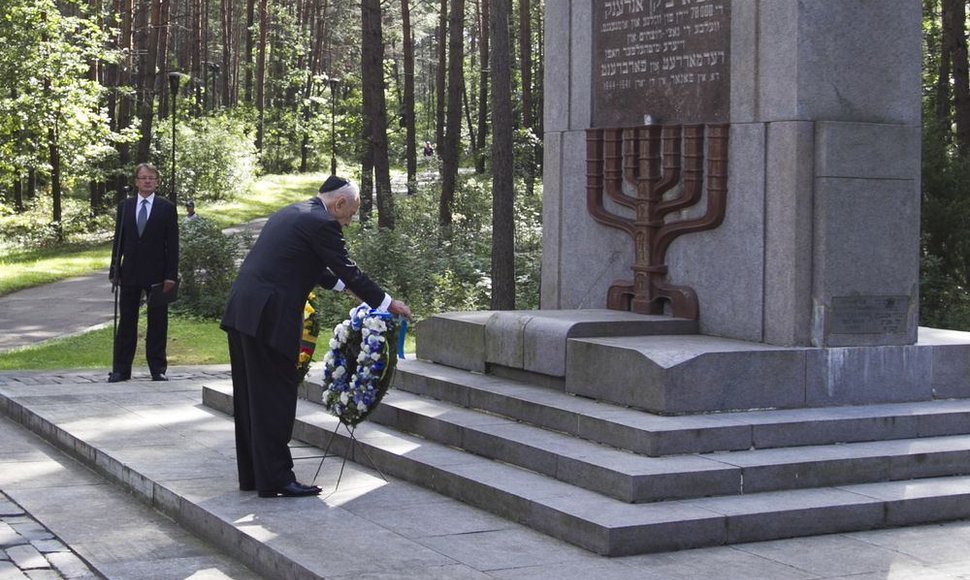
column 190, row 342
column 267, row 195
column 25, row 268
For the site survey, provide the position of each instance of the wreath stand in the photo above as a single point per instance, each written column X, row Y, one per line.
column 353, row 441
column 403, row 329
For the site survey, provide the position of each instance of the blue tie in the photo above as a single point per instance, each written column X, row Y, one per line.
column 142, row 217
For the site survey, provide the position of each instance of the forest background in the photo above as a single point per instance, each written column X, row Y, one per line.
column 90, row 88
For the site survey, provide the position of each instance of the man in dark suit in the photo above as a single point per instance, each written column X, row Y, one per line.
column 300, row 246
column 144, row 259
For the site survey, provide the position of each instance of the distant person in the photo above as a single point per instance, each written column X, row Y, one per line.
column 144, row 259
column 190, row 214
column 301, row 246
column 428, row 149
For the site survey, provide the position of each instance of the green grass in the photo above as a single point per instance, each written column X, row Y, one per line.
column 26, row 268
column 268, row 194
column 190, row 342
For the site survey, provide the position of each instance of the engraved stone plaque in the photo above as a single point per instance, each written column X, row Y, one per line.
column 661, row 61
column 869, row 314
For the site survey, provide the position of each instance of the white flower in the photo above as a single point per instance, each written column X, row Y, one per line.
column 339, row 372
column 361, row 407
column 344, row 398
column 334, row 345
column 376, row 356
column 361, row 357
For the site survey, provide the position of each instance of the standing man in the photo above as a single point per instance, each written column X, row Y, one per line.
column 144, row 259
column 190, row 214
column 300, row 246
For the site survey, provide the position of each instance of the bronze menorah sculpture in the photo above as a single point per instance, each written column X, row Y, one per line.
column 649, row 159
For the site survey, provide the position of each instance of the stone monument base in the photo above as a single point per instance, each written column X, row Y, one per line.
column 660, row 364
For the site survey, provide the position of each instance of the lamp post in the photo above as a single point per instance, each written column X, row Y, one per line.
column 173, row 82
column 334, row 83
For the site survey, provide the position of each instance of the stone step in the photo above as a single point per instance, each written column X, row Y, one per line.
column 635, row 478
column 612, row 527
column 658, row 435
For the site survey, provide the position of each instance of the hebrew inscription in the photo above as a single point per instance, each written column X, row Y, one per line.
column 661, row 61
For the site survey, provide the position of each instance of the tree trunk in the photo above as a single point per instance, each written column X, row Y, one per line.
column 375, row 107
column 450, row 153
column 411, row 134
column 525, row 60
column 472, row 141
column 483, row 85
column 503, row 194
column 227, row 49
column 124, row 99
column 54, row 151
column 18, row 194
column 148, row 18
column 260, row 73
column 250, row 20
column 955, row 39
column 162, row 66
column 442, row 70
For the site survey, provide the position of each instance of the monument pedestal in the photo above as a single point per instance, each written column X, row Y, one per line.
column 660, row 364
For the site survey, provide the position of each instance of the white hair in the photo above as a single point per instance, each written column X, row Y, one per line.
column 348, row 190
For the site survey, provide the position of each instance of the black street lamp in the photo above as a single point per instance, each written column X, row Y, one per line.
column 173, row 82
column 334, row 83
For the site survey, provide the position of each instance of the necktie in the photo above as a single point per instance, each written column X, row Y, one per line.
column 142, row 217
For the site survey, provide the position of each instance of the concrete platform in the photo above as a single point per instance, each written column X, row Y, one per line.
column 661, row 365
column 173, row 454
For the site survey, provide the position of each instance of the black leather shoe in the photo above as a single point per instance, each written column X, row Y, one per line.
column 117, row 377
column 292, row 489
column 159, row 377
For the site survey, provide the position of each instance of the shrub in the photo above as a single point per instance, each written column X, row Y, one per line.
column 215, row 157
column 207, row 266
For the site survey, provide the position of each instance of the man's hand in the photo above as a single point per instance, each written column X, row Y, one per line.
column 168, row 286
column 399, row 308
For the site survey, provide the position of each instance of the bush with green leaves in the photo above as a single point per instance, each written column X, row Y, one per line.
column 32, row 228
column 438, row 271
column 215, row 156
column 207, row 264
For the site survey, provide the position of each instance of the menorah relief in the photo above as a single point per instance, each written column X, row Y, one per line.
column 655, row 160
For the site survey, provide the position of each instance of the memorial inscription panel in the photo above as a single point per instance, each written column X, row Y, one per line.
column 869, row 314
column 661, row 61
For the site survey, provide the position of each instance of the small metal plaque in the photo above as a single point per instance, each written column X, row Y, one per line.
column 869, row 314
column 661, row 61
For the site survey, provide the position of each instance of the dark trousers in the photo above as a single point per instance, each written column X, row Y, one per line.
column 156, row 336
column 264, row 393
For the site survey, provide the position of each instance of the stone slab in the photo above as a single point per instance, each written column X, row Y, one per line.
column 454, row 338
column 694, row 374
column 530, row 340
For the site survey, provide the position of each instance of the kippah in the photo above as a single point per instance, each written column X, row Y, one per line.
column 333, row 183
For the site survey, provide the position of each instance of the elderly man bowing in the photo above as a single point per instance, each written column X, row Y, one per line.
column 301, row 246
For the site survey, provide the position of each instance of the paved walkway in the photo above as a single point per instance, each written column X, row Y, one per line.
column 177, row 455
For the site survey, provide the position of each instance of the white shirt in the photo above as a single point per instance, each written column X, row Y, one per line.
column 339, row 287
column 148, row 207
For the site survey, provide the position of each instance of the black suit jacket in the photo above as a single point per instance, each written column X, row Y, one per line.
column 300, row 246
column 152, row 257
